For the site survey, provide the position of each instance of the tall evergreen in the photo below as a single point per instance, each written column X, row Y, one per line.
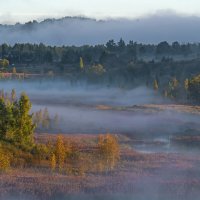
column 16, row 124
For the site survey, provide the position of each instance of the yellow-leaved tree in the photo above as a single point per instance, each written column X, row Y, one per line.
column 109, row 150
column 60, row 152
column 81, row 63
column 53, row 162
column 4, row 161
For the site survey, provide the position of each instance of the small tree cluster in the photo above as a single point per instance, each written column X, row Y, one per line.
column 97, row 69
column 4, row 63
column 43, row 120
column 194, row 88
column 109, row 150
column 8, row 97
column 173, row 88
column 16, row 125
column 59, row 155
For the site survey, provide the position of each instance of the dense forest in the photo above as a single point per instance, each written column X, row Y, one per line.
column 68, row 55
column 164, row 67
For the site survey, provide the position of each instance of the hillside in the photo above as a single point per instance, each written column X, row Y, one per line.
column 79, row 30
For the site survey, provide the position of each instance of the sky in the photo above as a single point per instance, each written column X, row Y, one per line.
column 12, row 11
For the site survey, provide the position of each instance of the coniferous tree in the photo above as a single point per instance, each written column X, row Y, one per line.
column 23, row 121
column 7, row 125
column 16, row 123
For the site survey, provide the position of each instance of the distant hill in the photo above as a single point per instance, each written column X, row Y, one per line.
column 79, row 31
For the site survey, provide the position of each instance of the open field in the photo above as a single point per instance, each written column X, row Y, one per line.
column 159, row 145
column 153, row 175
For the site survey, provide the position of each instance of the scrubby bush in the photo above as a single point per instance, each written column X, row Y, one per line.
column 53, row 162
column 60, row 152
column 109, row 150
column 4, row 161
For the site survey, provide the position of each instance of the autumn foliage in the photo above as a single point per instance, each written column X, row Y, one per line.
column 109, row 150
column 19, row 148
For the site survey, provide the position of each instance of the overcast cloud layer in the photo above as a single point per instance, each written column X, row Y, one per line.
column 77, row 31
column 24, row 10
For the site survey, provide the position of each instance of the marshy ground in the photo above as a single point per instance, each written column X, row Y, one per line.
column 159, row 156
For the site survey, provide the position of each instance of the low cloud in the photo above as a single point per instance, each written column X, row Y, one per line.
column 79, row 31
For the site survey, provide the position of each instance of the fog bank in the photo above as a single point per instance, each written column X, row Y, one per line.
column 80, row 31
column 92, row 109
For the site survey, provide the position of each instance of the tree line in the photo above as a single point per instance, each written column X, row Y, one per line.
column 187, row 91
column 115, row 64
column 40, row 53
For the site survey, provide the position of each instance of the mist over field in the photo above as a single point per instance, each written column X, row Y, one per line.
column 97, row 109
column 151, row 159
column 81, row 31
column 82, row 93
column 101, row 102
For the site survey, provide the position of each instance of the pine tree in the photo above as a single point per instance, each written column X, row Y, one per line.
column 23, row 121
column 16, row 124
column 7, row 120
